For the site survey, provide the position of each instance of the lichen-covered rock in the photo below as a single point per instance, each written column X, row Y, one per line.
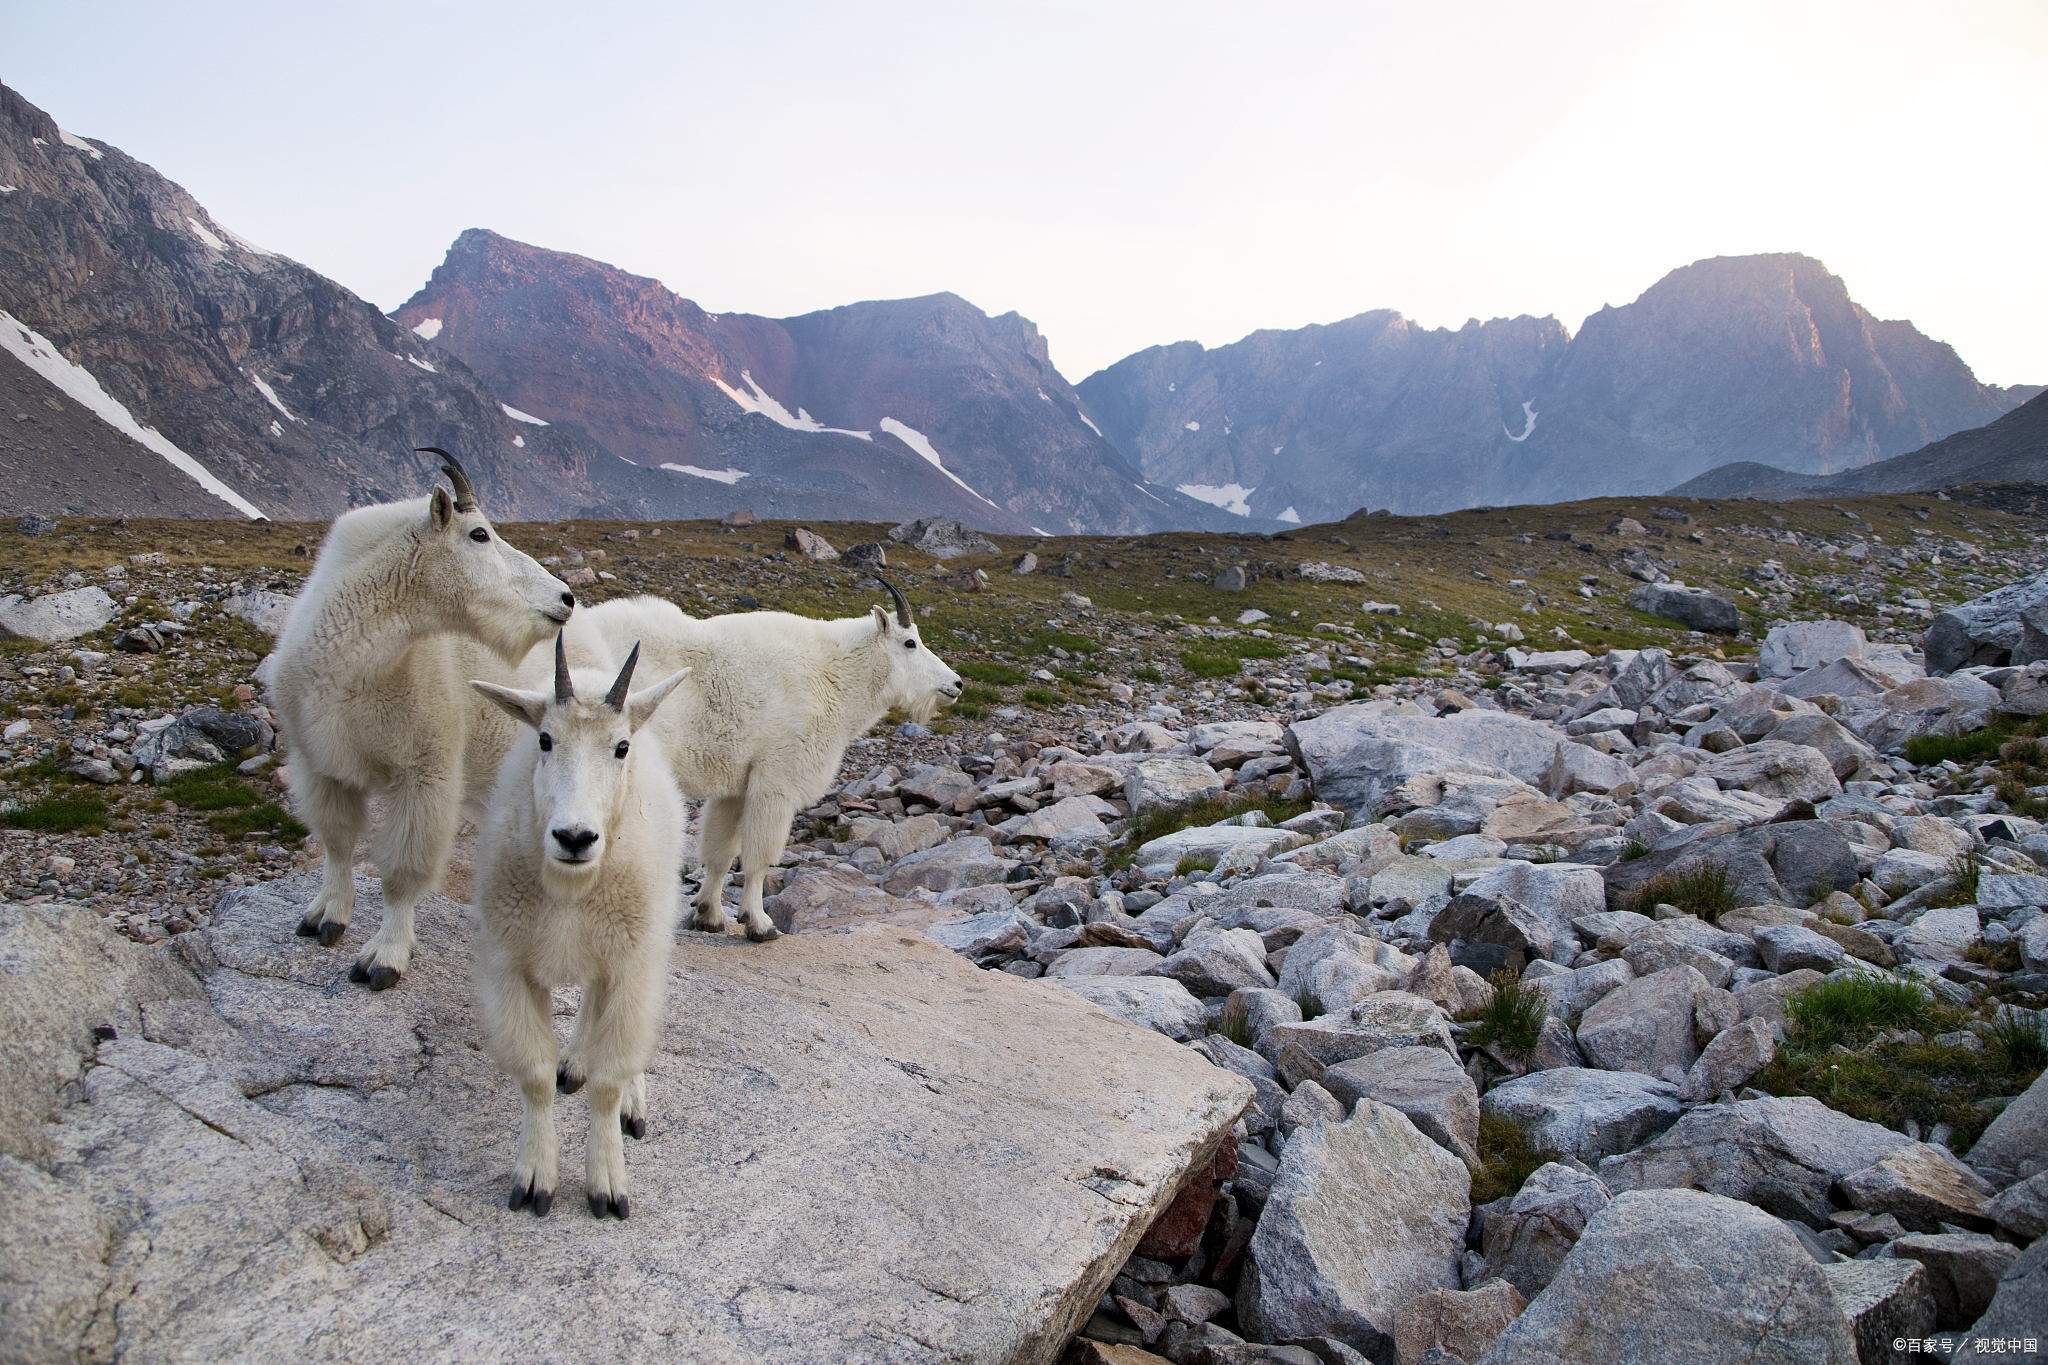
column 1884, row 1299
column 1426, row 1084
column 1526, row 1243
column 1585, row 1113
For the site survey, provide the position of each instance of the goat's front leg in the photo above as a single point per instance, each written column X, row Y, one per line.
column 522, row 1037
column 718, row 840
column 615, row 1027
column 336, row 813
column 764, row 829
column 633, row 1107
column 412, row 851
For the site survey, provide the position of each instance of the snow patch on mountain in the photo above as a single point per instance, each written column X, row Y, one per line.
column 199, row 231
column 34, row 351
column 1232, row 498
column 422, row 364
column 79, row 144
column 270, row 394
column 1528, row 423
column 1291, row 515
column 918, row 442
column 726, row 476
column 428, row 330
column 762, row 402
column 516, row 415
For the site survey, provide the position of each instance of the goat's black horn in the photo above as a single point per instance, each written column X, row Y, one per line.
column 564, row 693
column 465, row 491
column 902, row 605
column 616, row 698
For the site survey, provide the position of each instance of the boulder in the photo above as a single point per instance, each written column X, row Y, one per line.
column 1809, row 858
column 1646, row 1025
column 1206, row 843
column 2022, row 1210
column 1796, row 646
column 942, row 538
column 1075, row 813
column 1884, row 1300
column 1963, row 1271
column 1924, row 1187
column 1791, row 948
column 1583, row 1113
column 1928, row 706
column 1257, row 1011
column 1572, row 993
column 2015, row 1145
column 1170, row 783
column 809, row 544
column 1581, row 768
column 1985, row 630
column 1333, row 939
column 1360, row 754
column 1651, row 954
column 1845, row 678
column 1734, row 1056
column 56, row 616
column 1698, row 801
column 1772, row 768
column 1389, row 1019
column 261, row 608
column 1693, row 607
column 1941, row 934
column 2025, row 693
column 2016, row 1313
column 1900, row 870
column 967, row 861
column 1681, row 1275
column 1461, row 1323
column 1556, row 893
column 839, row 897
column 1844, row 752
column 1765, row 1000
column 1216, row 962
column 1102, row 961
column 1783, row 1155
column 1526, row 1243
column 1997, row 892
column 1422, row 882
column 1157, row 1003
column 1426, row 1084
column 377, row 1158
column 1751, row 879
column 1504, row 921
column 1364, row 1216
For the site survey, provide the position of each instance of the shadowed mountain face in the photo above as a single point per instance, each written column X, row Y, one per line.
column 256, row 383
column 1760, row 358
column 871, row 411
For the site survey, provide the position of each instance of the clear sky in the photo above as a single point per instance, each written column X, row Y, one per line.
column 1123, row 174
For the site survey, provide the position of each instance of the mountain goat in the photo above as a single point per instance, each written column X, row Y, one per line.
column 760, row 728
column 405, row 602
column 577, row 884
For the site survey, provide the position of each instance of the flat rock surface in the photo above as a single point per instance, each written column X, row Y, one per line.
column 860, row 1149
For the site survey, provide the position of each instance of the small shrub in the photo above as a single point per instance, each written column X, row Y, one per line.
column 983, row 671
column 1147, row 673
column 1823, row 1015
column 216, row 788
column 1311, row 1002
column 2021, row 1041
column 2026, row 751
column 1964, row 871
column 1191, row 864
column 1513, row 1019
column 1506, row 1159
column 246, row 819
column 1634, row 849
column 1700, row 888
column 979, row 696
column 58, row 814
column 1237, row 1029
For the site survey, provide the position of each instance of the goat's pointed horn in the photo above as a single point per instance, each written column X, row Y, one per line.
column 902, row 605
column 616, row 698
column 465, row 491
column 564, row 693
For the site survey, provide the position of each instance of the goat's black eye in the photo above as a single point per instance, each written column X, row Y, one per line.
column 547, row 742
column 910, row 644
column 620, row 752
column 480, row 536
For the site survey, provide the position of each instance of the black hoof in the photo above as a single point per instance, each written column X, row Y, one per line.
column 615, row 1206
column 330, row 933
column 568, row 1084
column 357, row 974
column 382, row 978
column 770, row 936
column 543, row 1200
column 633, row 1128
column 307, row 929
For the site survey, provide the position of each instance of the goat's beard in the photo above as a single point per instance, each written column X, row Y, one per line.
column 512, row 637
column 926, row 705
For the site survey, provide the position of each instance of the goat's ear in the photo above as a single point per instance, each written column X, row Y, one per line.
column 881, row 622
column 440, row 508
column 525, row 707
column 641, row 705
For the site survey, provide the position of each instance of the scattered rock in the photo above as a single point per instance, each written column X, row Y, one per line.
column 1585, row 1114
column 1462, row 1323
column 1693, row 607
column 942, row 538
column 1963, row 1271
column 1426, row 1084
column 1527, row 1242
column 56, row 616
column 1883, row 1300
column 1924, row 1187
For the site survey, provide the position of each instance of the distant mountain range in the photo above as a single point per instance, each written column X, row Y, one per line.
column 158, row 365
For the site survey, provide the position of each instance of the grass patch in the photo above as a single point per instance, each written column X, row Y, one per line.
column 1046, row 641
column 1147, row 673
column 1964, row 871
column 1634, row 849
column 979, row 696
column 1826, row 1014
column 1040, row 697
column 1506, row 1159
column 2021, row 1041
column 1191, row 864
column 61, row 813
column 982, row 671
column 1924, row 749
column 1237, row 1029
column 1513, row 1019
column 1152, row 824
column 216, row 788
column 1701, row 889
column 248, row 819
column 1311, row 1002
column 1208, row 665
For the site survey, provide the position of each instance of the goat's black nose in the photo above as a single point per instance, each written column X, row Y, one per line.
column 569, row 599
column 574, row 841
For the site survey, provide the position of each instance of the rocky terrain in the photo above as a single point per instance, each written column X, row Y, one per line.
column 1742, row 358
column 1443, row 942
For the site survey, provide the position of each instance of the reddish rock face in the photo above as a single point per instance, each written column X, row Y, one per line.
column 1179, row 1230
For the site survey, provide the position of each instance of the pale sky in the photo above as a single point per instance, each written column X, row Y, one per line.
column 1123, row 174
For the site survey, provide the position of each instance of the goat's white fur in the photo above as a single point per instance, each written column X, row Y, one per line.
column 402, row 606
column 577, row 884
column 758, row 731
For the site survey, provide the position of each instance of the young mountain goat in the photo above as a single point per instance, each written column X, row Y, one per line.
column 772, row 703
column 405, row 602
column 576, row 884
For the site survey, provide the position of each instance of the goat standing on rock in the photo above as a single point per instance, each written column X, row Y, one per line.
column 576, row 884
column 405, row 602
column 772, row 704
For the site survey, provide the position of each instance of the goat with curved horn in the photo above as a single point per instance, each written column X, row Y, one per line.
column 564, row 693
column 616, row 698
column 902, row 605
column 465, row 491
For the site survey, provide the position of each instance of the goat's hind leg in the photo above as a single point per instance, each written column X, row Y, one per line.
column 718, row 841
column 336, row 813
column 412, row 850
column 633, row 1107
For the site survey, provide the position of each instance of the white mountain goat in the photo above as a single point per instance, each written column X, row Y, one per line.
column 405, row 603
column 577, row 885
column 760, row 728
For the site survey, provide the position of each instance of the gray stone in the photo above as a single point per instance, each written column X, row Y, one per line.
column 1783, row 1155
column 1924, row 1187
column 261, row 608
column 1386, row 1020
column 1424, row 1083
column 1903, row 869
column 1170, row 783
column 967, row 861
column 1360, row 754
column 942, row 538
column 1735, row 1055
column 1572, row 993
column 992, row 931
column 1681, row 1275
column 1693, row 607
column 1556, row 893
column 1527, row 1242
column 1884, row 1300
column 1844, row 752
column 1364, row 1216
column 1206, row 843
column 1231, row 1057
column 1455, row 1324
column 1581, row 768
column 1646, row 1025
column 1809, row 857
column 1796, row 646
column 1963, row 1271
column 1942, row 934
column 1985, row 630
column 1583, row 1113
column 934, row 785
column 1998, row 892
column 1333, row 939
column 1309, row 1103
column 1792, row 948
column 2015, row 1145
column 1771, row 768
column 1061, row 819
column 1649, row 955
column 1928, row 706
column 1846, row 678
column 2017, row 1310
column 1256, row 1011
column 374, row 1160
column 57, row 616
column 1157, row 1003
column 1079, row 962
column 2022, row 1210
column 1503, row 921
column 1217, row 962
column 1422, row 882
